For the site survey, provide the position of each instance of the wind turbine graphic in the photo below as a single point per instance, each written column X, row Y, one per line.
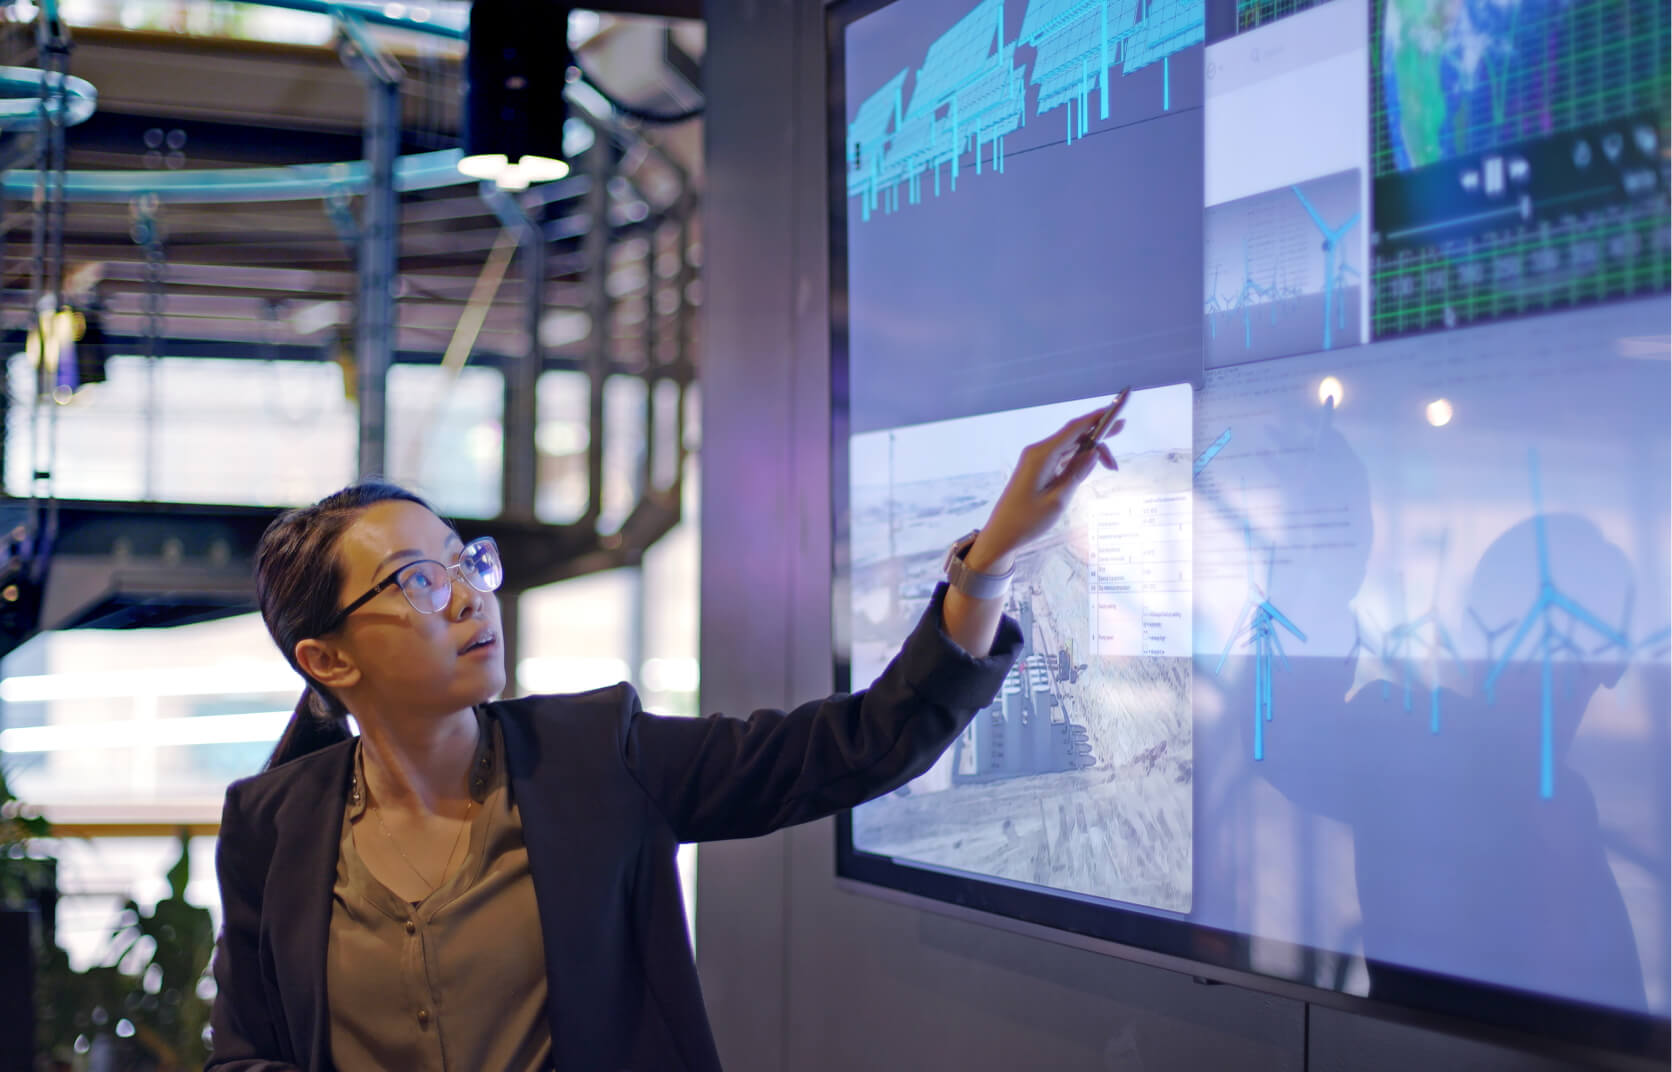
column 1252, row 290
column 1435, row 640
column 1213, row 305
column 1551, row 639
column 1210, row 453
column 1359, row 644
column 1489, row 634
column 1257, row 625
column 1332, row 240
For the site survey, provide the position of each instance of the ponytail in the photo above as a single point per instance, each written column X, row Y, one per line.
column 313, row 725
column 298, row 577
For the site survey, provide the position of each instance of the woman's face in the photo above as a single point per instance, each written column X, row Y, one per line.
column 436, row 663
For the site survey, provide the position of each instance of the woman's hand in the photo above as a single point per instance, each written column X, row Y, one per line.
column 1038, row 493
column 1035, row 498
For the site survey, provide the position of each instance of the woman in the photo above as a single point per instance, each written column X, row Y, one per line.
column 491, row 885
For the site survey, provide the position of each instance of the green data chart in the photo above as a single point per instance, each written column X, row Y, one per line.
column 1454, row 77
column 1519, row 155
column 1252, row 14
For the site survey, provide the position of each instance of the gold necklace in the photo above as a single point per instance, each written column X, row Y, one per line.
column 464, row 823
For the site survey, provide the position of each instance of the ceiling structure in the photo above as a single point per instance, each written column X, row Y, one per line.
column 281, row 279
column 279, row 276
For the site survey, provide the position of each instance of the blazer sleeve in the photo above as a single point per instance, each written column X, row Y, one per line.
column 718, row 777
column 244, row 1037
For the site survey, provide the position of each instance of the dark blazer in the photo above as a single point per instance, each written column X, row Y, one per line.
column 606, row 793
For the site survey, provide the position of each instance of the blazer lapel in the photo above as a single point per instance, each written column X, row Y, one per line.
column 567, row 858
column 300, row 879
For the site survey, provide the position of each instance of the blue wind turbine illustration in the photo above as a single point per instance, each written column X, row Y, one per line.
column 1552, row 639
column 1332, row 243
column 1424, row 638
column 1257, row 626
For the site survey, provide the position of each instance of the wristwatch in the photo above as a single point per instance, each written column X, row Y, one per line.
column 971, row 582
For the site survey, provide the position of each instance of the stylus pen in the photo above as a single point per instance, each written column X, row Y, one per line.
column 1091, row 439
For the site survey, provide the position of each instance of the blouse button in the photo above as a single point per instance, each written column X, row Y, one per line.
column 411, row 927
column 423, row 1018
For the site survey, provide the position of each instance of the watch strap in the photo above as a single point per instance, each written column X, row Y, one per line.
column 972, row 582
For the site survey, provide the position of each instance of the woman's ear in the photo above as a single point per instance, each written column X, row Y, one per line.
column 326, row 664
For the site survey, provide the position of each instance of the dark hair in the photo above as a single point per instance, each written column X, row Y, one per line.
column 298, row 575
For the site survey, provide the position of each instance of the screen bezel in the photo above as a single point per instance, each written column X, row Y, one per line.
column 1465, row 1007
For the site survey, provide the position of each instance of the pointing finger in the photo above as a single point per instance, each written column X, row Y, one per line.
column 1075, row 428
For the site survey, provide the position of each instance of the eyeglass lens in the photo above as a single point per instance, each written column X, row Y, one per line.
column 428, row 585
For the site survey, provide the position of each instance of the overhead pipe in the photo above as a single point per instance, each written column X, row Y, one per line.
column 296, row 182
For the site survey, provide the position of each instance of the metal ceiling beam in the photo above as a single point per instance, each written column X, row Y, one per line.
column 287, row 253
column 572, row 360
column 145, row 564
column 298, row 182
column 379, row 238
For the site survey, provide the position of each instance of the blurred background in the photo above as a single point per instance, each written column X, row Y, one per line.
column 241, row 268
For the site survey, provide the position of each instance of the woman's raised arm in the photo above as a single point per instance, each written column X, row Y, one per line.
column 1038, row 492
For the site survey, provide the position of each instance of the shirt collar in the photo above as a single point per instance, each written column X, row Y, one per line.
column 482, row 767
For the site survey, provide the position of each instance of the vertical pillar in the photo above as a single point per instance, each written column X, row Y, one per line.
column 374, row 347
column 652, row 363
column 635, row 653
column 595, row 248
column 510, row 632
column 518, row 478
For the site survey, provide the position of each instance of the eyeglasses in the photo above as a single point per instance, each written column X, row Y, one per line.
column 428, row 584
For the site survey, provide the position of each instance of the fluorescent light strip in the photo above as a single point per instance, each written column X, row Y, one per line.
column 262, row 727
column 224, row 679
column 569, row 673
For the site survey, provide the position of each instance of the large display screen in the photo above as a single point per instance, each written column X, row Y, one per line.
column 1356, row 673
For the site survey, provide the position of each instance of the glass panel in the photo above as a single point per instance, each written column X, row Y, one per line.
column 226, row 431
column 142, row 723
column 561, row 437
column 446, row 436
column 670, row 677
column 560, row 440
column 577, row 635
column 624, row 447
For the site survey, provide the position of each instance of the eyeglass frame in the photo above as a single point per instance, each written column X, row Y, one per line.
column 454, row 572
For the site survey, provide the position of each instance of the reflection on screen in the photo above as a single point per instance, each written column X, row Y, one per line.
column 1416, row 712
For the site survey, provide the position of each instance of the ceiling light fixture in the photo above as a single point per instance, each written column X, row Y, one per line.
column 516, row 66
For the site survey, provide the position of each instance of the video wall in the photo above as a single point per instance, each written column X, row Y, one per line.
column 1356, row 673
